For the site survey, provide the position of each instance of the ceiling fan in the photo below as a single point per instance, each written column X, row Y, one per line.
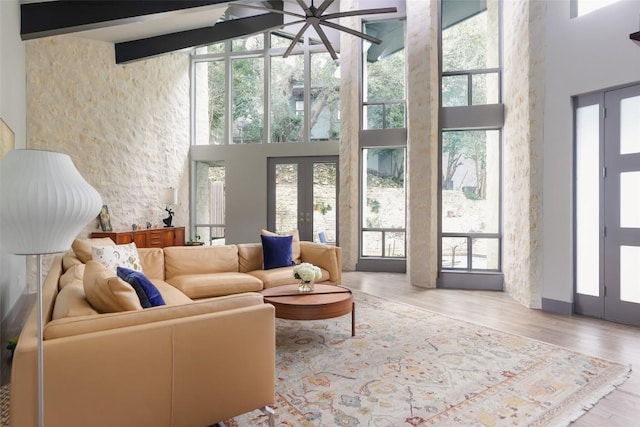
column 314, row 17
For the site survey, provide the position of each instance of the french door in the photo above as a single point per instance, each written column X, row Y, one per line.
column 608, row 205
column 302, row 193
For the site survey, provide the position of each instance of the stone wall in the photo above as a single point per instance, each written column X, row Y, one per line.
column 523, row 142
column 126, row 127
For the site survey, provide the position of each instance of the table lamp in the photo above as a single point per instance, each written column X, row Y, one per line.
column 44, row 204
column 169, row 197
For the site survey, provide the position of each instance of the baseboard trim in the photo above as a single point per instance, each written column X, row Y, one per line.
column 557, row 307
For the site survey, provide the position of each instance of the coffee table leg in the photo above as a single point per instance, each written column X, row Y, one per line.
column 353, row 319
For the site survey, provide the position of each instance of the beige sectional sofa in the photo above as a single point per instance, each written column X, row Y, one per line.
column 205, row 356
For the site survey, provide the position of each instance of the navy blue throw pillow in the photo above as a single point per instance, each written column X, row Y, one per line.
column 147, row 292
column 276, row 251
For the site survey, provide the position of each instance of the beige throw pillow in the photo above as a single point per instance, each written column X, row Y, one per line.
column 106, row 292
column 295, row 244
column 82, row 247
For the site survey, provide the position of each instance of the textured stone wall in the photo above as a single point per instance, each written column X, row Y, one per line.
column 126, row 127
column 422, row 143
column 349, row 149
column 523, row 141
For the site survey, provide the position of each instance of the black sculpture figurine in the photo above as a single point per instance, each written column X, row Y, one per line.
column 167, row 221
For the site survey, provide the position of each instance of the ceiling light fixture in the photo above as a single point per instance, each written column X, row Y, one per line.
column 314, row 17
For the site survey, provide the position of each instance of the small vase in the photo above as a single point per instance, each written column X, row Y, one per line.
column 305, row 286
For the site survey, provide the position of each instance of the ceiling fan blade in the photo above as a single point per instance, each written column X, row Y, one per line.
column 295, row 40
column 325, row 40
column 359, row 12
column 352, row 32
column 304, row 7
column 267, row 9
column 324, row 6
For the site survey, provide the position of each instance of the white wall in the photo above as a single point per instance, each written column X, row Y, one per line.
column 584, row 54
column 13, row 112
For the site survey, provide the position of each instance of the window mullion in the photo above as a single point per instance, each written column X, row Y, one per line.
column 306, row 133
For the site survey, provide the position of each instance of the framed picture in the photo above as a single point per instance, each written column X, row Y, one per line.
column 7, row 139
column 105, row 219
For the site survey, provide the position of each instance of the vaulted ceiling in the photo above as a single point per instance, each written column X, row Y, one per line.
column 143, row 29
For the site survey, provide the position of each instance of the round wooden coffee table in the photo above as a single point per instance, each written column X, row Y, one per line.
column 324, row 302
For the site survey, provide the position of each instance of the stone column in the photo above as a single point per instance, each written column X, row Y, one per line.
column 349, row 143
column 523, row 143
column 422, row 143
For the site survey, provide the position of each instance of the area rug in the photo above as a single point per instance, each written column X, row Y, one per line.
column 410, row 367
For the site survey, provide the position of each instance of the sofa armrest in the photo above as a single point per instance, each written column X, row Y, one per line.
column 325, row 256
column 195, row 370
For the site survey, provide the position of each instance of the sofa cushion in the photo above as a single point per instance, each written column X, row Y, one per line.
column 181, row 260
column 276, row 251
column 170, row 294
column 295, row 243
column 106, row 292
column 70, row 259
column 114, row 256
column 71, row 301
column 71, row 326
column 215, row 284
column 148, row 294
column 82, row 247
column 152, row 261
column 73, row 274
column 249, row 257
column 282, row 276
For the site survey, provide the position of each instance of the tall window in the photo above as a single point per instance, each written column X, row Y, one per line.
column 210, row 202
column 471, row 138
column 382, row 141
column 582, row 7
column 231, row 105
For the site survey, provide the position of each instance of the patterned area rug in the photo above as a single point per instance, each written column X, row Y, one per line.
column 411, row 367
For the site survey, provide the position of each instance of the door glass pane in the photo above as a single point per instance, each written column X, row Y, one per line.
column 486, row 254
column 454, row 252
column 372, row 243
column 383, row 201
column 588, row 200
column 247, row 100
column 324, row 202
column 286, row 197
column 394, row 244
column 630, row 125
column 209, row 103
column 324, row 117
column 630, row 199
column 287, row 91
column 630, row 273
column 471, row 182
column 210, row 203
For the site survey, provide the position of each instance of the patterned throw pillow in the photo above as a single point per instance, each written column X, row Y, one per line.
column 116, row 256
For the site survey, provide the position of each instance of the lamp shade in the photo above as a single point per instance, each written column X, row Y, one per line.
column 170, row 196
column 44, row 202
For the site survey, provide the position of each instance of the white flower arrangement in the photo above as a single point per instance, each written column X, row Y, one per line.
column 306, row 272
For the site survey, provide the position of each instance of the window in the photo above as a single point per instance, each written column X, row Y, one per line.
column 383, row 139
column 230, row 106
column 470, row 214
column 210, row 202
column 384, row 82
column 582, row 7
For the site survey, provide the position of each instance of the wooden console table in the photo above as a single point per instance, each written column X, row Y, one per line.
column 146, row 238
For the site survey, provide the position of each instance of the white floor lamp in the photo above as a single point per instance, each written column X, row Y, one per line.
column 44, row 204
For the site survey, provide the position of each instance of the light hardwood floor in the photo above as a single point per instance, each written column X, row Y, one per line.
column 616, row 342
